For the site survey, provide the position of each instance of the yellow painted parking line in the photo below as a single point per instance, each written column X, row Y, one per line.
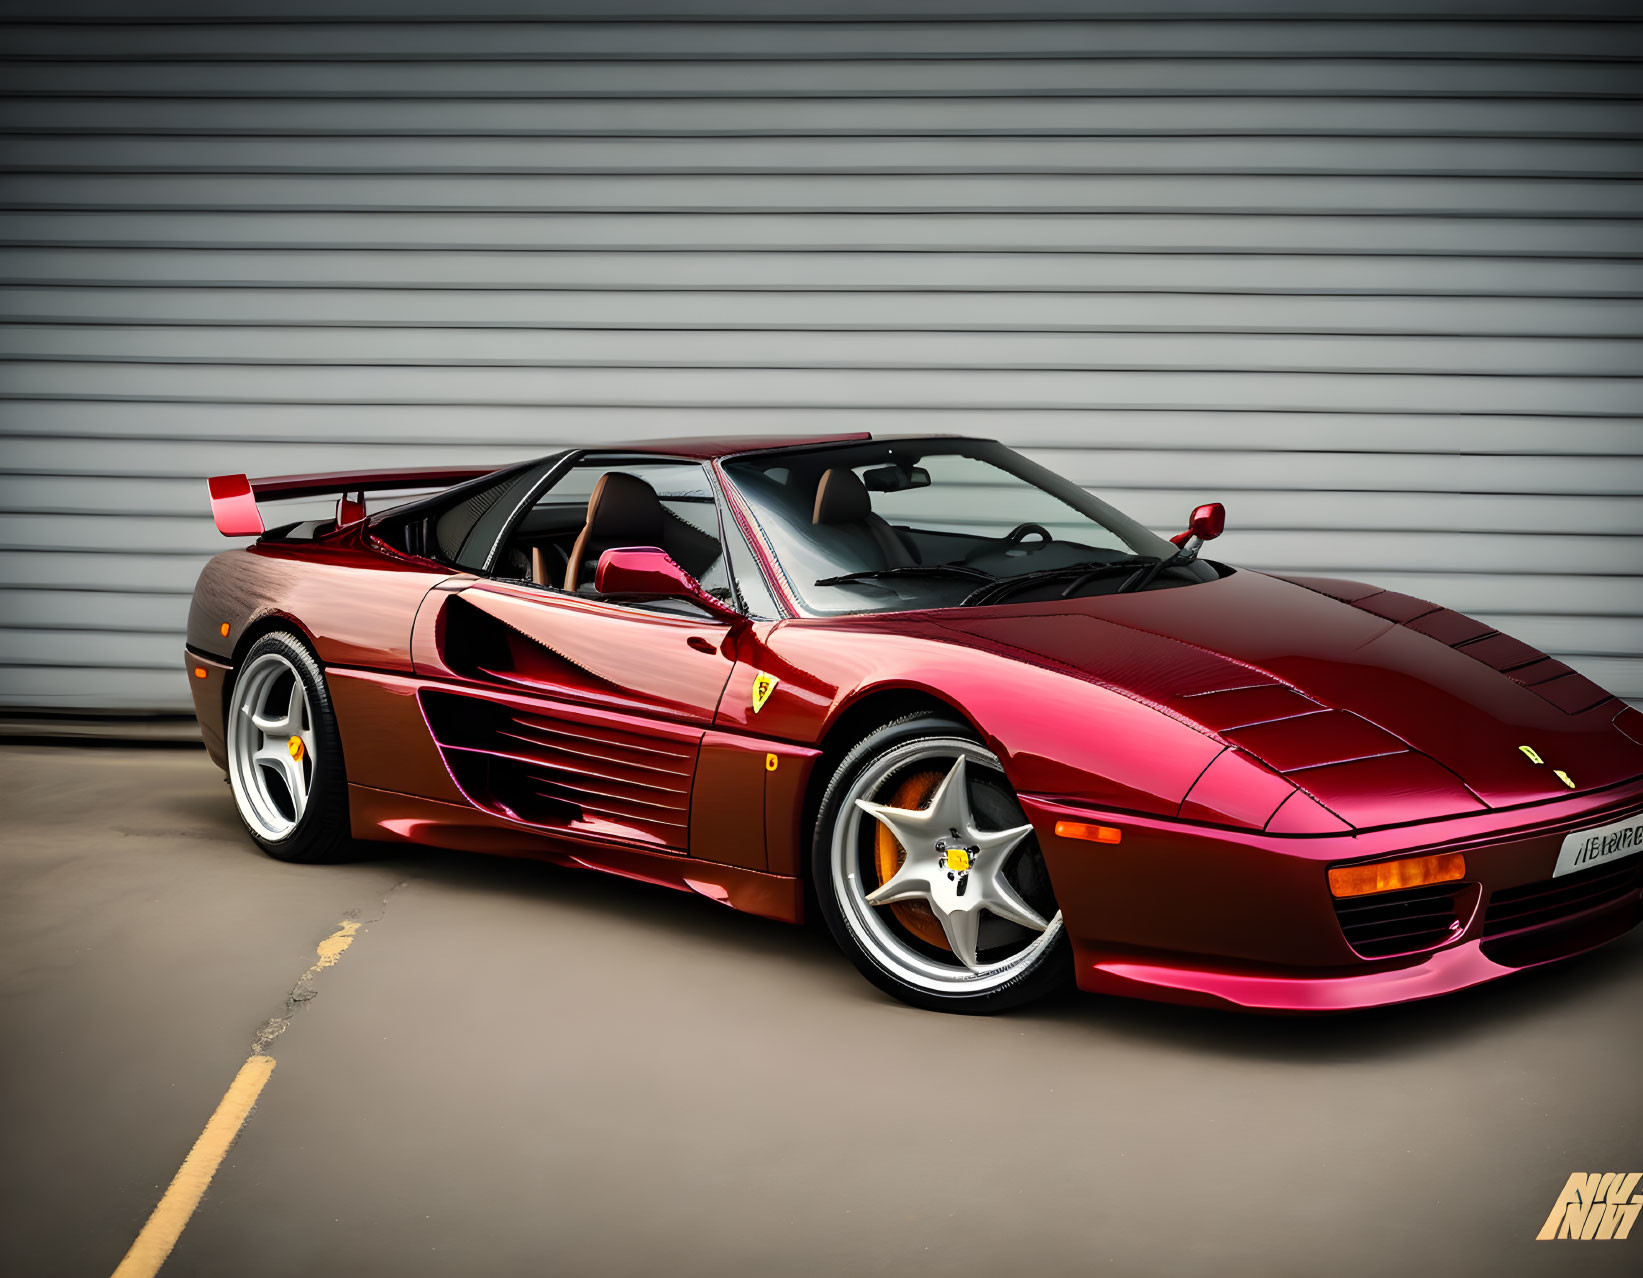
column 188, row 1186
column 330, row 949
column 183, row 1195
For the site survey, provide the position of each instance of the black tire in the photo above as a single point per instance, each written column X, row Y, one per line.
column 1049, row 971
column 321, row 831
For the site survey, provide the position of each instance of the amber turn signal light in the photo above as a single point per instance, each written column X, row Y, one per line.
column 224, row 629
column 1390, row 876
column 199, row 672
column 1094, row 833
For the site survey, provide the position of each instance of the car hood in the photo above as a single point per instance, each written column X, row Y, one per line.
column 1381, row 707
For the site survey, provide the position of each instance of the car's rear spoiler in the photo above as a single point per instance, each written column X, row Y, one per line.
column 234, row 497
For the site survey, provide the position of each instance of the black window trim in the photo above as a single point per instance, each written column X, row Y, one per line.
column 557, row 466
column 434, row 504
column 575, row 457
column 721, row 500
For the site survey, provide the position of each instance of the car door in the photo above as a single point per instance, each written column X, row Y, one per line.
column 579, row 713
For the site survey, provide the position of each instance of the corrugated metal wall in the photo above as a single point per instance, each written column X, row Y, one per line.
column 1375, row 283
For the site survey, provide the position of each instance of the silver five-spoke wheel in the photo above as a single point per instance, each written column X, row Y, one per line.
column 271, row 746
column 935, row 872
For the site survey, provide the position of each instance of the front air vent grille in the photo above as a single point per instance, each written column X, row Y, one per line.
column 1404, row 922
column 1536, row 904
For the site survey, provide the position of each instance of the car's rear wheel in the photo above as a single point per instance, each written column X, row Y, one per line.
column 929, row 875
column 285, row 755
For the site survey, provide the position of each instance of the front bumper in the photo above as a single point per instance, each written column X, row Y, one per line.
column 1208, row 915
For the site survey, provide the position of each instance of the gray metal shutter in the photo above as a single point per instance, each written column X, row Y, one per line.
column 1375, row 283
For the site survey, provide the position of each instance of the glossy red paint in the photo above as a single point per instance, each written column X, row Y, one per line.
column 400, row 818
column 1207, row 523
column 1251, row 657
column 208, row 699
column 234, row 506
column 385, row 737
column 350, row 509
column 650, row 571
column 234, row 497
column 1246, row 919
column 590, row 650
column 354, row 602
column 1244, row 734
column 336, row 481
column 726, row 802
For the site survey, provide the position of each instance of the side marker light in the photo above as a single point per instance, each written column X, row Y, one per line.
column 1392, row 876
column 224, row 629
column 1084, row 830
column 199, row 672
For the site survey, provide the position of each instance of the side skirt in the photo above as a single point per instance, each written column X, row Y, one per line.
column 385, row 816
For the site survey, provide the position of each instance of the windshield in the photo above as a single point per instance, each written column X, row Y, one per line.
column 904, row 524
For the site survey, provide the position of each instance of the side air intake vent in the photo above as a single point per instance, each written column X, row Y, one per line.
column 587, row 776
column 483, row 647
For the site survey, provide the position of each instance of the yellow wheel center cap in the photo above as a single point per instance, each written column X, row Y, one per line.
column 294, row 745
column 958, row 859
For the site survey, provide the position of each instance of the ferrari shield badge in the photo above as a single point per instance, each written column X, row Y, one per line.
column 763, row 686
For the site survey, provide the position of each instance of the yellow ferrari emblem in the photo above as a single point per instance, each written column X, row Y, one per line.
column 294, row 745
column 958, row 859
column 770, row 762
column 763, row 686
column 1559, row 773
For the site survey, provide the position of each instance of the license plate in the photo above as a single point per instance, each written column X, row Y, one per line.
column 1585, row 848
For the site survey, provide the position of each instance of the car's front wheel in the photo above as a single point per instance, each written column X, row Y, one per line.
column 285, row 754
column 929, row 875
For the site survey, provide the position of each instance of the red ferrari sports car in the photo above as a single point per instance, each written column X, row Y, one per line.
column 997, row 733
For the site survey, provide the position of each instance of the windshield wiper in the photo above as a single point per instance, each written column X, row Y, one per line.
column 909, row 570
column 1143, row 576
column 1136, row 565
column 993, row 591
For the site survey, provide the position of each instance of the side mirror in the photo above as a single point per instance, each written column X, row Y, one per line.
column 1207, row 523
column 649, row 570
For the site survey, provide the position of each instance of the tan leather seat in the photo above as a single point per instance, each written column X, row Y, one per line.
column 622, row 511
column 842, row 503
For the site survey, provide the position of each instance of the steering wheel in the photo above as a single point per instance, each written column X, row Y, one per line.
column 1014, row 538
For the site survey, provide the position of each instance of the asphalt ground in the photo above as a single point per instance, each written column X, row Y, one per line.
column 517, row 1069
